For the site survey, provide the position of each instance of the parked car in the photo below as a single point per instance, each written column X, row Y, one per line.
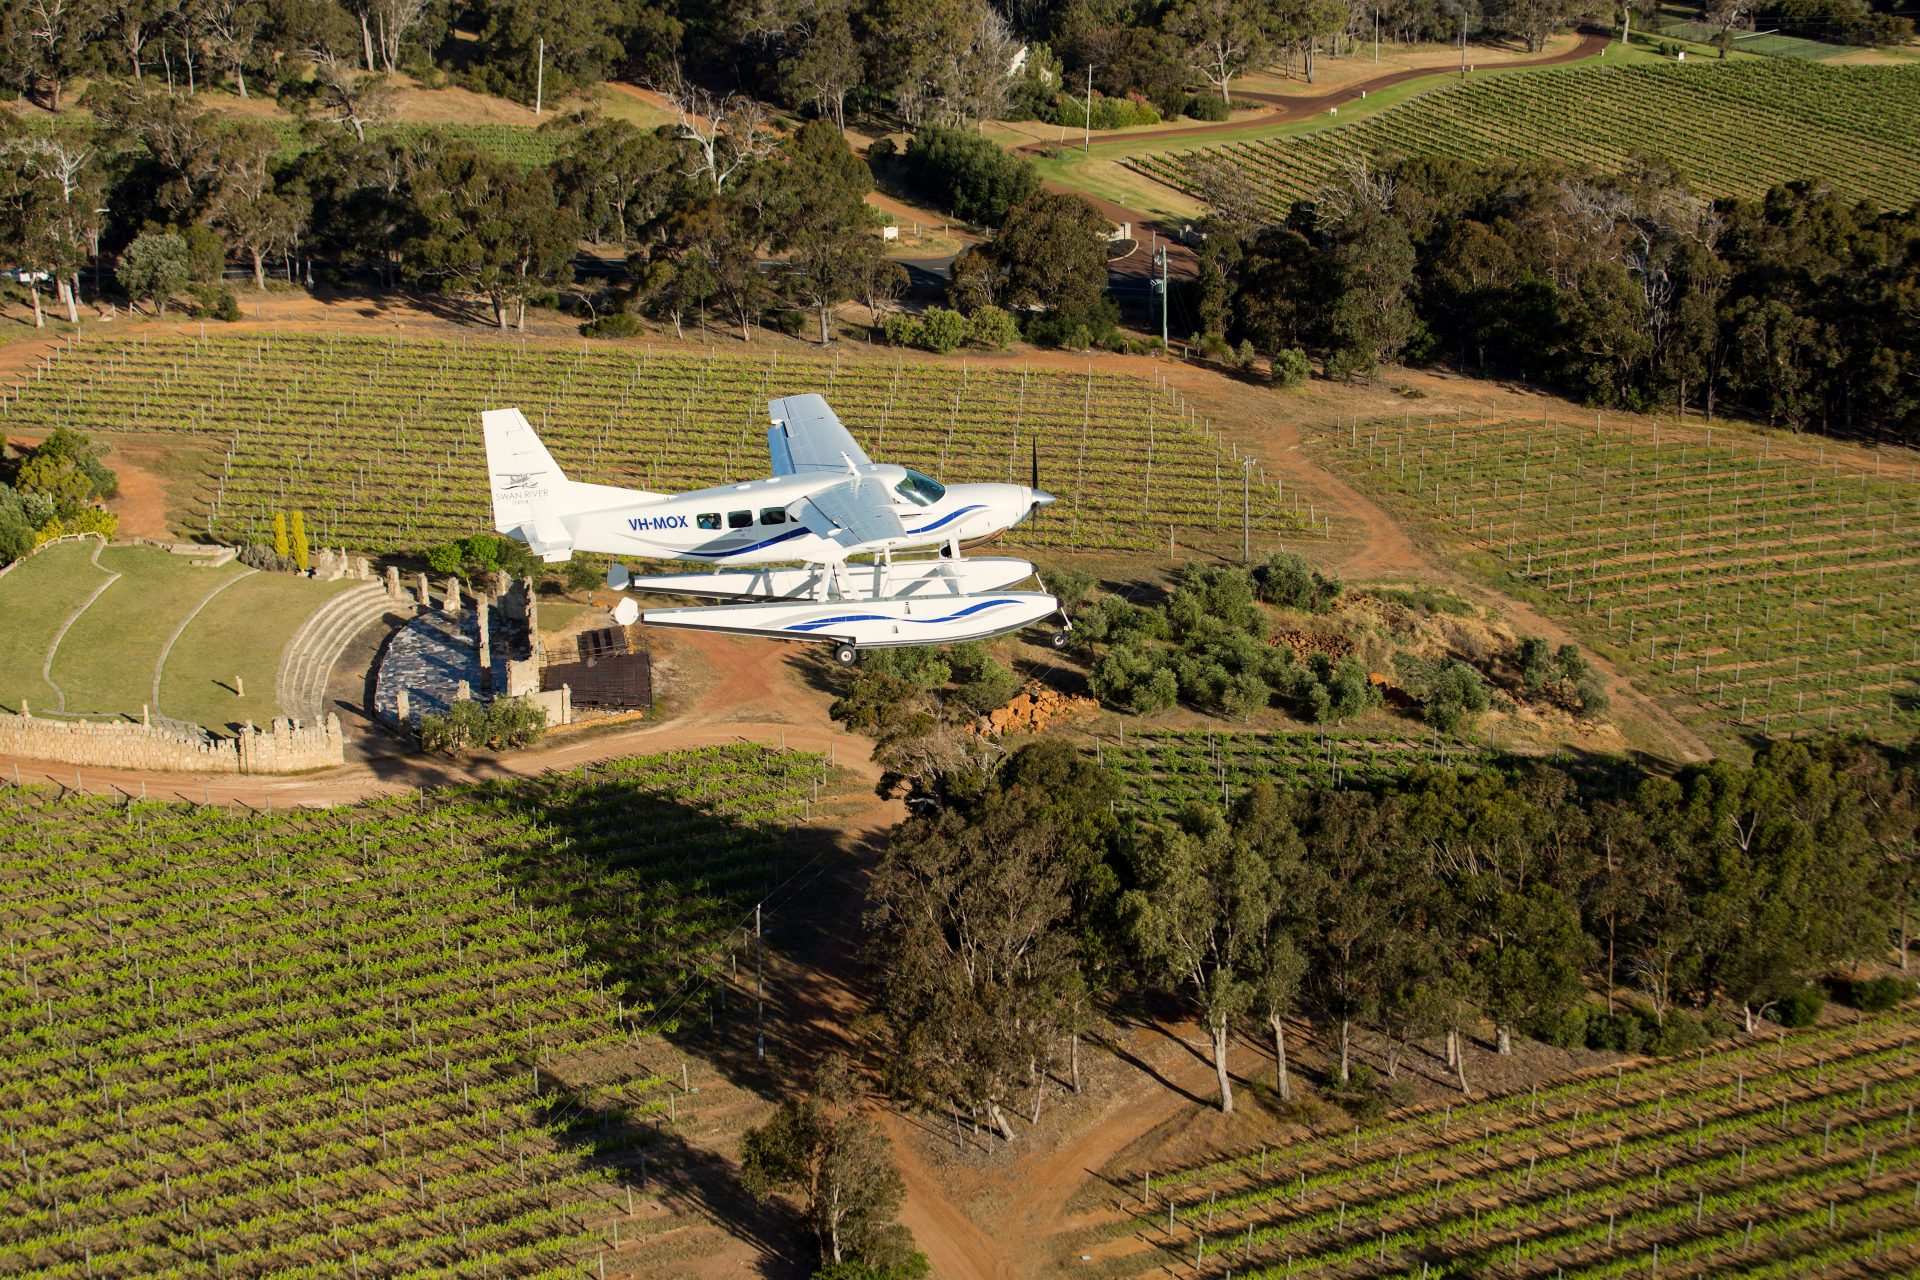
column 26, row 275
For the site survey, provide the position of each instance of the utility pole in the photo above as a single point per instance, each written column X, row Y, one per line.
column 1086, row 143
column 1246, row 510
column 1376, row 35
column 1463, row 40
column 1161, row 255
column 540, row 77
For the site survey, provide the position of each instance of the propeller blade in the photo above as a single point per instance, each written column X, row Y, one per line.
column 1035, row 442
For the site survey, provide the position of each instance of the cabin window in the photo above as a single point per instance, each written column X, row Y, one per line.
column 708, row 520
column 921, row 491
column 774, row 515
column 739, row 519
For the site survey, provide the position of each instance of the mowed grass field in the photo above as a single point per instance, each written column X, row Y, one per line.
column 419, row 1036
column 1732, row 129
column 37, row 596
column 164, row 623
column 1757, row 583
column 378, row 440
column 1780, row 1156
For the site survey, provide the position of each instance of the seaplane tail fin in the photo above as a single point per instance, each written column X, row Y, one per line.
column 528, row 485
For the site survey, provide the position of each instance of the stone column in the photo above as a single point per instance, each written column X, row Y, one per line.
column 426, row 596
column 393, row 583
column 402, row 709
column 484, row 644
column 464, row 693
column 533, row 606
column 453, row 596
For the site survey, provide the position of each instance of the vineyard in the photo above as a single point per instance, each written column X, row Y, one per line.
column 1754, row 588
column 378, row 440
column 1780, row 1156
column 1163, row 771
column 1732, row 129
column 407, row 1036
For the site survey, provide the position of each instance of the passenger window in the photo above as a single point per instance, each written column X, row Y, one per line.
column 774, row 515
column 709, row 520
column 739, row 519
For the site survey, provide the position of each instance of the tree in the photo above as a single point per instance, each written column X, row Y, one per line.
column 351, row 98
column 725, row 135
column 488, row 227
column 232, row 29
column 1371, row 315
column 715, row 241
column 1049, row 255
column 619, row 180
column 550, row 44
column 247, row 204
column 297, row 537
column 969, row 174
column 1723, row 16
column 837, row 1161
column 1198, row 916
column 827, row 68
column 153, row 267
column 1222, row 38
column 1534, row 20
column 51, row 41
column 66, row 469
column 970, row 909
column 819, row 218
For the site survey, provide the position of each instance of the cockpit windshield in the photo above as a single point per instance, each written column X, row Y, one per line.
column 921, row 491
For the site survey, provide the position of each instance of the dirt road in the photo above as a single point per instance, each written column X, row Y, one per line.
column 1288, row 108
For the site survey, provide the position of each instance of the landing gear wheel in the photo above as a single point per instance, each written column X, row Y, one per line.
column 1058, row 639
column 845, row 654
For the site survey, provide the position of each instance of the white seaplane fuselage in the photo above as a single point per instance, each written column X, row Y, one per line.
column 753, row 522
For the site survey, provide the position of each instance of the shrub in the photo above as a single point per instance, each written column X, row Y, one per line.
column 1799, row 1008
column 790, row 322
column 1622, row 1031
column 1069, row 586
column 991, row 329
column 969, row 174
column 901, row 330
column 1291, row 367
column 1680, row 1033
column 942, row 330
column 1135, row 679
column 1286, row 580
column 1071, row 110
column 262, row 557
column 880, row 152
column 211, row 302
column 615, row 324
column 499, row 725
column 281, row 547
column 1206, row 106
column 1871, row 995
column 1563, row 1028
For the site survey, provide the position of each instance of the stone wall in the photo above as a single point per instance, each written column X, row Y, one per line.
column 285, row 747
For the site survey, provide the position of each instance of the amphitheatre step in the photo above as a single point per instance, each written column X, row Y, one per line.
column 306, row 667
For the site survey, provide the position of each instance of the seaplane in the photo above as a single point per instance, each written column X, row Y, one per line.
column 833, row 547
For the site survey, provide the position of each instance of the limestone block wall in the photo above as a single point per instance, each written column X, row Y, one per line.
column 285, row 747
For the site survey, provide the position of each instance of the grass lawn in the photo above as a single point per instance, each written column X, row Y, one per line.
column 242, row 632
column 36, row 597
column 106, row 662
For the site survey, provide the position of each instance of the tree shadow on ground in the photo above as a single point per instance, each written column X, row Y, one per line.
column 647, row 1159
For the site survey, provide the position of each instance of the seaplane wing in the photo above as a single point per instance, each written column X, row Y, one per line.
column 855, row 514
column 808, row 436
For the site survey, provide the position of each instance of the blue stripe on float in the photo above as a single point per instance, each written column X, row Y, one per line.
column 818, row 623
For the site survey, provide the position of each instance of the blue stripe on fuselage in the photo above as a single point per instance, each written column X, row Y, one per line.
column 949, row 518
column 758, row 546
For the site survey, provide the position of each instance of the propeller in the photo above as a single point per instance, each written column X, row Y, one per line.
column 1041, row 498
